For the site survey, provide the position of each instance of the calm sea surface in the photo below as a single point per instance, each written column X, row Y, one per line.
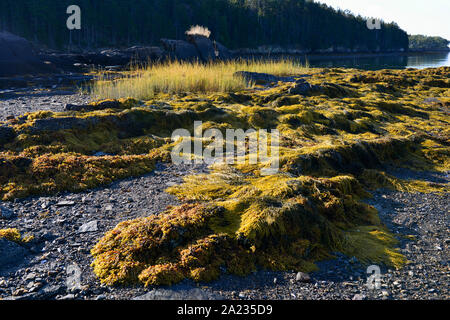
column 419, row 61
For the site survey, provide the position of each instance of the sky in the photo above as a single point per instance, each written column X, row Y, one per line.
column 428, row 17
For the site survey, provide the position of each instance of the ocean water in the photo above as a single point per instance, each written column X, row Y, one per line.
column 418, row 61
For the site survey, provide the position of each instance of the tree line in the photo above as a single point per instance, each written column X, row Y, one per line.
column 299, row 24
column 421, row 42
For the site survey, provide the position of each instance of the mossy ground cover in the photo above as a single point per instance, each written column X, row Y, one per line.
column 335, row 144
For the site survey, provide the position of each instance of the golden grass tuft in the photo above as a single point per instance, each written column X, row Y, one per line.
column 193, row 77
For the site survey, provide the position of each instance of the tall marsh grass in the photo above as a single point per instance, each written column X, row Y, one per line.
column 192, row 77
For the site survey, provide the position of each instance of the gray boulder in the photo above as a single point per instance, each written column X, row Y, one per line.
column 18, row 57
column 209, row 50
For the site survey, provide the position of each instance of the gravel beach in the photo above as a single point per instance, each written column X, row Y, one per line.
column 66, row 226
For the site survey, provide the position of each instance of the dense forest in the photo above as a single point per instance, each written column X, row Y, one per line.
column 421, row 42
column 300, row 24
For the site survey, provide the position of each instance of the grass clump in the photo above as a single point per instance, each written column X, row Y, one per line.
column 13, row 234
column 195, row 77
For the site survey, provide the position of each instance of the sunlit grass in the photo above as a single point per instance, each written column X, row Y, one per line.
column 179, row 77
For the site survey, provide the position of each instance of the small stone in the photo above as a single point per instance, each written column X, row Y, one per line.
column 359, row 296
column 274, row 280
column 19, row 292
column 302, row 277
column 109, row 208
column 68, row 297
column 30, row 276
column 65, row 203
column 242, row 295
column 89, row 227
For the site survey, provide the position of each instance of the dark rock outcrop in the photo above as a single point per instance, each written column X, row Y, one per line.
column 209, row 50
column 196, row 47
column 56, row 124
column 109, row 104
column 261, row 78
column 180, row 49
column 18, row 57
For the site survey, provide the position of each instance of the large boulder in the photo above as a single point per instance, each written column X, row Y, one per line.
column 261, row 78
column 180, row 49
column 18, row 57
column 208, row 49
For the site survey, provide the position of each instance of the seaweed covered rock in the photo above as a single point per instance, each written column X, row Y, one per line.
column 303, row 88
column 277, row 222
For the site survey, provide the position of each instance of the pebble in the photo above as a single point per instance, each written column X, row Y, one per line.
column 89, row 227
column 302, row 277
column 65, row 203
column 359, row 296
